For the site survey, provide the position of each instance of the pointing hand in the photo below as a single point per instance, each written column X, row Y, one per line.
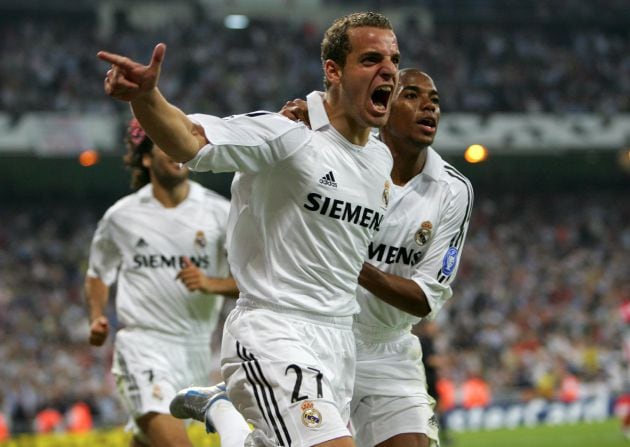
column 128, row 80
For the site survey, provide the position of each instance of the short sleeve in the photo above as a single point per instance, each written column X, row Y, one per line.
column 105, row 257
column 247, row 143
column 439, row 266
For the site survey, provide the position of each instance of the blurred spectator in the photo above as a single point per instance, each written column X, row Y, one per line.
column 428, row 332
column 569, row 388
column 476, row 392
column 446, row 390
column 4, row 428
column 49, row 420
column 622, row 411
column 79, row 418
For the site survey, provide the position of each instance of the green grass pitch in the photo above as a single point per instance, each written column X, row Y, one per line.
column 596, row 434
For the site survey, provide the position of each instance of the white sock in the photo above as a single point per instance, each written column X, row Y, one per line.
column 258, row 438
column 229, row 423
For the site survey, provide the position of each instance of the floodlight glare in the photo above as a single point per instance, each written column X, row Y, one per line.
column 476, row 153
column 236, row 21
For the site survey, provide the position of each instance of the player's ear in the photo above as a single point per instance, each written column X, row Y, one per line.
column 146, row 160
column 332, row 71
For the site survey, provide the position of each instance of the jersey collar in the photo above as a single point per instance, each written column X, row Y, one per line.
column 195, row 193
column 316, row 110
column 432, row 164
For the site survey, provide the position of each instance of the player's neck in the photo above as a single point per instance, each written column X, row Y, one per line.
column 170, row 197
column 344, row 124
column 408, row 162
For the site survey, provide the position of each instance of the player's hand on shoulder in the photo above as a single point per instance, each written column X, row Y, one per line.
column 296, row 110
column 99, row 329
column 127, row 79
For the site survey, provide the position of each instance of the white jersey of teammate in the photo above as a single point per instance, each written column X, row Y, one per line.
column 305, row 205
column 421, row 239
column 141, row 245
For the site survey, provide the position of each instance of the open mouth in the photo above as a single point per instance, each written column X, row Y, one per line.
column 380, row 97
column 427, row 122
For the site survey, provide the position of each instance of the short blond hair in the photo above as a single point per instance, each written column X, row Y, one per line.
column 336, row 43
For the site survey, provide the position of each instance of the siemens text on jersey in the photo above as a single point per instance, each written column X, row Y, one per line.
column 159, row 261
column 390, row 254
column 342, row 210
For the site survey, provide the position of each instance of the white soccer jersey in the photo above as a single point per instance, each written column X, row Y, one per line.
column 305, row 205
column 421, row 239
column 140, row 245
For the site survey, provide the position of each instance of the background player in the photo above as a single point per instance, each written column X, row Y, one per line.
column 164, row 246
column 305, row 205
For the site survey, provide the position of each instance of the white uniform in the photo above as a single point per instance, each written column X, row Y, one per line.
column 305, row 205
column 163, row 343
column 421, row 239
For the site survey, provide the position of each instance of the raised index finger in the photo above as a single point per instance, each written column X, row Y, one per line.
column 115, row 59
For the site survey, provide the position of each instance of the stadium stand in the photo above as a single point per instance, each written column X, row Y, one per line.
column 559, row 63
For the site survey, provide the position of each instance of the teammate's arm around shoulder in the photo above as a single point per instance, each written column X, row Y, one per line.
column 296, row 110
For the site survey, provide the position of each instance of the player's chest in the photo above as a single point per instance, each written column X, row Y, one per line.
column 407, row 231
column 154, row 232
column 335, row 176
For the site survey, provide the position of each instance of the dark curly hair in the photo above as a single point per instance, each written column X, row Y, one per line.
column 138, row 143
column 336, row 43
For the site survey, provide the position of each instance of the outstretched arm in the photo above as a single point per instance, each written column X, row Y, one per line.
column 166, row 125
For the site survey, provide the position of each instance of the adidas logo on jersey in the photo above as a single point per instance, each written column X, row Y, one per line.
column 141, row 243
column 328, row 180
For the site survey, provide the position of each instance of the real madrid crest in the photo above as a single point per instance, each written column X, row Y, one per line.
column 386, row 189
column 424, row 233
column 157, row 392
column 311, row 417
column 200, row 239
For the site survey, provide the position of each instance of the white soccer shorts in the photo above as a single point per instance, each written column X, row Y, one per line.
column 150, row 368
column 290, row 375
column 390, row 394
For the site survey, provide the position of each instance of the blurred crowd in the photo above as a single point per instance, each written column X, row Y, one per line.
column 538, row 308
column 538, row 298
column 46, row 361
column 562, row 57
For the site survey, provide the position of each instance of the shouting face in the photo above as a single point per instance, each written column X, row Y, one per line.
column 368, row 77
